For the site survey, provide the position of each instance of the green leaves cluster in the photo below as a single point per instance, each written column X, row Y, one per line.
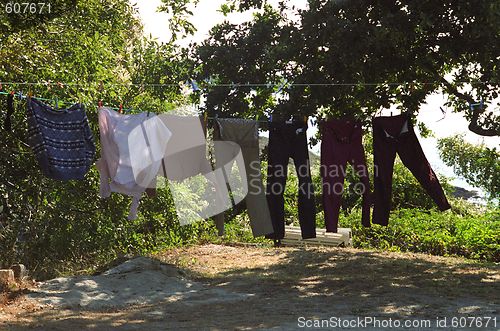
column 478, row 164
column 404, row 50
column 473, row 235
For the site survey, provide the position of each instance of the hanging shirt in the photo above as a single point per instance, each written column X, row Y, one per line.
column 61, row 140
column 132, row 148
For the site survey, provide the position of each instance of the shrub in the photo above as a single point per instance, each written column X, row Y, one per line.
column 474, row 235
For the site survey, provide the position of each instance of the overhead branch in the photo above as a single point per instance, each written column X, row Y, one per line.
column 474, row 125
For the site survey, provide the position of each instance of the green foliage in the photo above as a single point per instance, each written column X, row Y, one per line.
column 403, row 49
column 52, row 226
column 179, row 12
column 407, row 191
column 478, row 164
column 473, row 235
column 14, row 19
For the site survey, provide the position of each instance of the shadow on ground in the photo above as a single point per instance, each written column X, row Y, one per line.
column 273, row 288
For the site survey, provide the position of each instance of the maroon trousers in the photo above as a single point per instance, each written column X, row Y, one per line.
column 342, row 143
column 393, row 135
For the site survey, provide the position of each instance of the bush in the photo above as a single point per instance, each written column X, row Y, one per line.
column 474, row 235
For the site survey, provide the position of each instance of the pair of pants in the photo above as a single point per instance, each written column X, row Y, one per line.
column 341, row 143
column 393, row 135
column 288, row 139
column 245, row 137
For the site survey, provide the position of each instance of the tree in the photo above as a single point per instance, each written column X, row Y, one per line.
column 479, row 165
column 50, row 224
column 21, row 15
column 404, row 50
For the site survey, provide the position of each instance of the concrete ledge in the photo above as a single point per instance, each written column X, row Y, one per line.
column 6, row 276
column 19, row 271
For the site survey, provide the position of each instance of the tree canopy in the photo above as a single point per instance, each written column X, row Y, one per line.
column 368, row 55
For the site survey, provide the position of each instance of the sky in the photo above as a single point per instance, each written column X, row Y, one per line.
column 206, row 16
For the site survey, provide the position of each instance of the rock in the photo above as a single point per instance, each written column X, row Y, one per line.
column 6, row 276
column 19, row 271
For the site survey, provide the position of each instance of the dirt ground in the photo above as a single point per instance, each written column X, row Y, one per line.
column 290, row 288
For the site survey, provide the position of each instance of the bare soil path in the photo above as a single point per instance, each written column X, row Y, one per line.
column 213, row 287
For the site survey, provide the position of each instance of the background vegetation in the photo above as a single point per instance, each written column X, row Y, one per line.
column 98, row 47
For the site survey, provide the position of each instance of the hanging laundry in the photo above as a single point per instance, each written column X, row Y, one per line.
column 288, row 139
column 342, row 143
column 7, row 124
column 132, row 148
column 61, row 140
column 244, row 133
column 393, row 135
column 186, row 152
column 185, row 164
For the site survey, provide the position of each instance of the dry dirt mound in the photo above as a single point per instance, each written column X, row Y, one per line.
column 136, row 282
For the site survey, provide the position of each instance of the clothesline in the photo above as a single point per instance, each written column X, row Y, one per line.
column 194, row 86
column 62, row 84
column 121, row 158
column 23, row 97
column 107, row 106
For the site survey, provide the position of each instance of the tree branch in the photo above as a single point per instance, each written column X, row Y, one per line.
column 474, row 122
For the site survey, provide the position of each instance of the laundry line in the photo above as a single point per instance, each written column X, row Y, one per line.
column 22, row 96
column 232, row 84
column 121, row 109
column 195, row 88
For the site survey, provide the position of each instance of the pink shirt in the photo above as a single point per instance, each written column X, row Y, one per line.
column 131, row 153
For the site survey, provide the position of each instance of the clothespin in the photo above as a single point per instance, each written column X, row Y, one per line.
column 194, row 86
column 281, row 87
column 480, row 104
column 443, row 112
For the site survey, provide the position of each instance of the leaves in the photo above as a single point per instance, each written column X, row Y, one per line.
column 49, row 224
column 479, row 165
column 404, row 50
column 474, row 235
